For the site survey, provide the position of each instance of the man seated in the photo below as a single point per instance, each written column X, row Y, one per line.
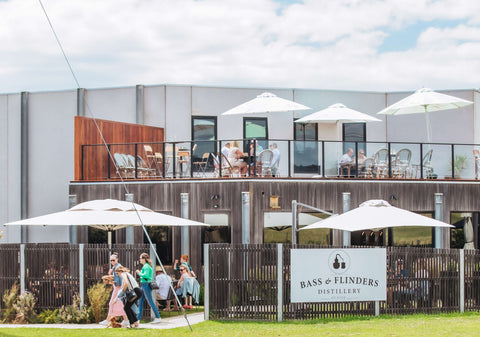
column 346, row 163
column 164, row 291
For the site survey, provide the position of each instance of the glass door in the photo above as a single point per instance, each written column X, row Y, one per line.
column 305, row 150
column 204, row 136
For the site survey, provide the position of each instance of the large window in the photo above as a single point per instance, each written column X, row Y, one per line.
column 219, row 231
column 306, row 148
column 256, row 127
column 354, row 132
column 204, row 135
column 278, row 228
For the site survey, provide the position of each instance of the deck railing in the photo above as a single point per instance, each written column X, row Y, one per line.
column 244, row 283
column 317, row 159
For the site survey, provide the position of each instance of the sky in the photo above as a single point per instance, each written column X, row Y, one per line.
column 361, row 45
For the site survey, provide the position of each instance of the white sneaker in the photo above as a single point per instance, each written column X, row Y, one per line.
column 126, row 324
column 156, row 320
column 104, row 322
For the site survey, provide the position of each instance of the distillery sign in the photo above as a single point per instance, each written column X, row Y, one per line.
column 338, row 275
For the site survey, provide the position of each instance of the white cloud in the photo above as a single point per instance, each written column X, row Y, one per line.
column 314, row 44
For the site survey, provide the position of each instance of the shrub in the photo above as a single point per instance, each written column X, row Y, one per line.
column 49, row 317
column 9, row 298
column 24, row 308
column 98, row 297
column 75, row 313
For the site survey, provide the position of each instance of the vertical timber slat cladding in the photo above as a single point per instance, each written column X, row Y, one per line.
column 164, row 196
column 419, row 280
column 86, row 133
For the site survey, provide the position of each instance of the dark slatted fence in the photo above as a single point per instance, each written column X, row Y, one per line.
column 52, row 270
column 9, row 267
column 243, row 284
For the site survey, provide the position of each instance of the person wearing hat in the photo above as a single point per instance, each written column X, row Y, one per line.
column 164, row 281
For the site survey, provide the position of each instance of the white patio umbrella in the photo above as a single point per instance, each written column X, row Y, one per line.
column 376, row 214
column 265, row 103
column 108, row 215
column 424, row 101
column 337, row 113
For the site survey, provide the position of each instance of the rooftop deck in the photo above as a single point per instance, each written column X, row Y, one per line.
column 296, row 159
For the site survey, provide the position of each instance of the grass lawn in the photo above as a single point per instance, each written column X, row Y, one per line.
column 467, row 324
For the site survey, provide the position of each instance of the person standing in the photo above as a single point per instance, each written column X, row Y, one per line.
column 130, row 307
column 146, row 276
column 115, row 308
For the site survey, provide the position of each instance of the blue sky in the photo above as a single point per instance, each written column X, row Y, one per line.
column 378, row 45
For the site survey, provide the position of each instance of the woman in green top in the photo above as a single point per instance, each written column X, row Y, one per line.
column 146, row 276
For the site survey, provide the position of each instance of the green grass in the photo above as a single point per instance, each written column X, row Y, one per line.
column 467, row 324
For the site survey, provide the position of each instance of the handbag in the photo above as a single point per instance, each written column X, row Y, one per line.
column 153, row 285
column 131, row 294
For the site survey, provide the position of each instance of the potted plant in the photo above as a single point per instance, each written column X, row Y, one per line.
column 460, row 163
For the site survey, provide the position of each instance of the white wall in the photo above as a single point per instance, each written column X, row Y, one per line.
column 154, row 106
column 448, row 126
column 10, row 175
column 112, row 104
column 51, row 158
column 51, row 129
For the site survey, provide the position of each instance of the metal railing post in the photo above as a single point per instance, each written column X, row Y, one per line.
column 279, row 282
column 346, row 202
column 185, row 239
column 461, row 264
column 22, row 268
column 206, row 281
column 81, row 273
column 294, row 222
column 245, row 217
column 323, row 159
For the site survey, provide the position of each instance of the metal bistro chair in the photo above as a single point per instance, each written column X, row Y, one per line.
column 400, row 168
column 381, row 163
column 367, row 169
column 264, row 162
column 427, row 166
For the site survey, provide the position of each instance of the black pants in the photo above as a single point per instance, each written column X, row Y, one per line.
column 127, row 307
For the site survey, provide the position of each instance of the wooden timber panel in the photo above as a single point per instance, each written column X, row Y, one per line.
column 95, row 159
column 164, row 196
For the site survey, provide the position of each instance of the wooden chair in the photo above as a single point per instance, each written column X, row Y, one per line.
column 234, row 170
column 201, row 165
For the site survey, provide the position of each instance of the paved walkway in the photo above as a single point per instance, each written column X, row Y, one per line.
column 166, row 323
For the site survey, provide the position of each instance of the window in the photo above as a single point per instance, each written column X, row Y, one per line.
column 278, row 228
column 204, row 135
column 219, row 231
column 354, row 132
column 256, row 127
column 306, row 148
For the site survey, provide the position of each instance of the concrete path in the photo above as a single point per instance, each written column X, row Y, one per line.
column 166, row 323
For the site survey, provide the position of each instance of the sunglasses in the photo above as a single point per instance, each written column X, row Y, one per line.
column 112, row 260
column 182, row 269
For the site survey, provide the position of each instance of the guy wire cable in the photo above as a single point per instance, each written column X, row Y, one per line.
column 112, row 159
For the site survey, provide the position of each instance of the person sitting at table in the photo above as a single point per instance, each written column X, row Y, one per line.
column 164, row 291
column 346, row 162
column 235, row 156
column 361, row 160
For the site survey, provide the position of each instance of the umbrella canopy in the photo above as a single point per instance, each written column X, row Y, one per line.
column 376, row 214
column 424, row 101
column 108, row 215
column 266, row 102
column 337, row 113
